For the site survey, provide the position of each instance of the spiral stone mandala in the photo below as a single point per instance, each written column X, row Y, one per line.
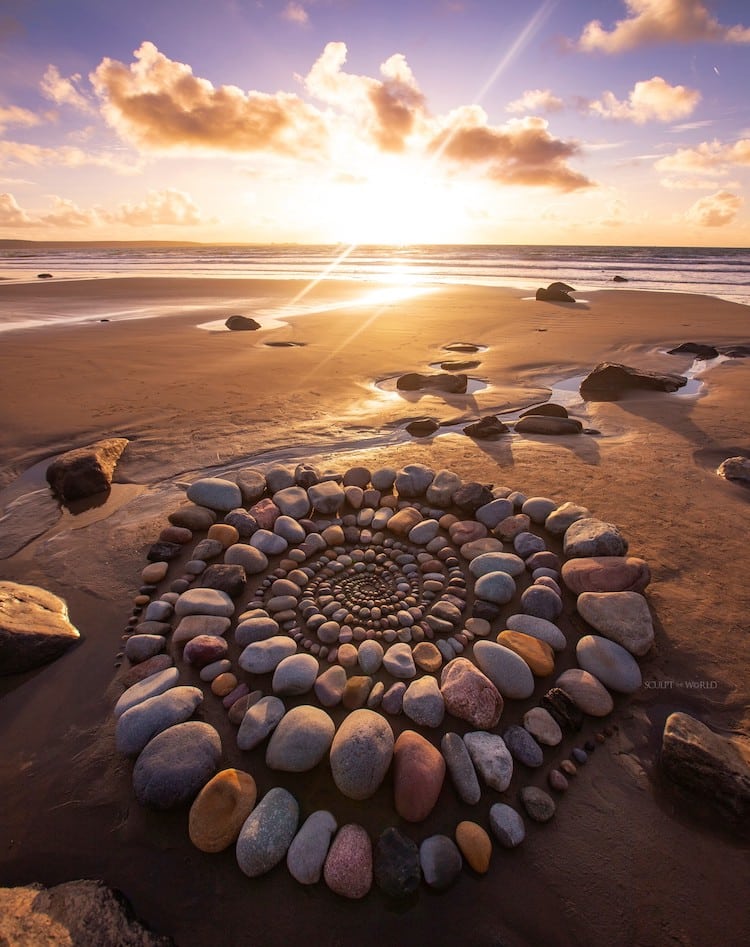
column 390, row 630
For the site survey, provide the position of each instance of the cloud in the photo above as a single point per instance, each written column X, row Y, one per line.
column 710, row 157
column 159, row 105
column 64, row 91
column 535, row 100
column 169, row 206
column 649, row 100
column 650, row 22
column 65, row 213
column 11, row 215
column 521, row 152
column 14, row 115
column 386, row 109
column 692, row 184
column 15, row 152
column 692, row 126
column 295, row 13
column 714, row 210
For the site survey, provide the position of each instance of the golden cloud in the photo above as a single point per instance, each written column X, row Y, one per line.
column 715, row 210
column 158, row 104
column 710, row 157
column 15, row 115
column 649, row 100
column 535, row 100
column 15, row 152
column 660, row 21
column 169, row 206
column 64, row 91
column 11, row 215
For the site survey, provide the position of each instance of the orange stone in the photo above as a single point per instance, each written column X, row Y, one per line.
column 223, row 684
column 537, row 654
column 427, row 657
column 227, row 535
column 220, row 810
column 403, row 521
column 475, row 845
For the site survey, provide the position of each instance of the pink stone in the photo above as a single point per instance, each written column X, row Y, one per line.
column 467, row 531
column 418, row 773
column 265, row 512
column 205, row 649
column 470, row 695
column 348, row 865
column 606, row 574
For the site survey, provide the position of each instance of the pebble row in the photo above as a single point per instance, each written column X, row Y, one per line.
column 398, row 574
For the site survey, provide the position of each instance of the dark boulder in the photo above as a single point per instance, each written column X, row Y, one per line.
column 556, row 293
column 226, row 578
column 456, row 365
column 85, row 471
column 549, row 410
column 34, row 627
column 695, row 348
column 561, row 707
column 44, row 276
column 470, row 496
column 486, row 428
column 163, row 551
column 714, row 767
column 396, row 864
column 545, row 424
column 611, row 379
column 736, row 351
column 619, row 279
column 452, row 384
column 241, row 324
column 422, row 427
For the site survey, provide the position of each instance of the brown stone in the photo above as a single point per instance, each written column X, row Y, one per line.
column 34, row 627
column 227, row 535
column 511, row 526
column 475, row 845
column 85, row 471
column 427, row 657
column 140, row 672
column 220, row 810
column 606, row 574
column 536, row 653
column 356, row 692
column 418, row 773
column 403, row 521
column 223, row 684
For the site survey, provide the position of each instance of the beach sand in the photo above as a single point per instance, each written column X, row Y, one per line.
column 627, row 859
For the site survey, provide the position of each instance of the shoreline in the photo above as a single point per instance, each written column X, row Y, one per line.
column 611, row 867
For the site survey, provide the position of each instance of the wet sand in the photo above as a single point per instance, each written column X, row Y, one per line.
column 627, row 860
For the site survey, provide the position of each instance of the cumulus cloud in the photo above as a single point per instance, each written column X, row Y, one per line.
column 649, row 100
column 14, row 115
column 158, row 104
column 66, row 213
column 387, row 109
column 535, row 100
column 650, row 22
column 11, row 215
column 295, row 13
column 714, row 210
column 64, row 91
column 169, row 206
column 15, row 152
column 710, row 157
column 521, row 152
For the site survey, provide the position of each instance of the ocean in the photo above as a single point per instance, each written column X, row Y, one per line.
column 721, row 272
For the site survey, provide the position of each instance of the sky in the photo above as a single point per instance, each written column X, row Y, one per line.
column 615, row 122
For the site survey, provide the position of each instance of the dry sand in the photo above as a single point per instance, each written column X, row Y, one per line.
column 627, row 860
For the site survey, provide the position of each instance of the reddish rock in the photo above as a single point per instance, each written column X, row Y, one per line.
column 85, row 471
column 419, row 770
column 606, row 574
column 470, row 695
column 205, row 649
column 266, row 513
column 348, row 866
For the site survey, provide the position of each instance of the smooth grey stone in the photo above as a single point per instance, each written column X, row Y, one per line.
column 508, row 671
column 413, row 480
column 252, row 484
column 295, row 675
column 327, row 497
column 461, row 768
column 204, row 602
column 398, row 661
column 265, row 837
column 289, row 529
column 494, row 512
column 538, row 628
column 279, row 478
column 370, row 656
column 608, row 661
column 443, row 486
column 149, row 687
column 259, row 720
column 523, row 747
column 361, row 754
column 307, row 853
column 176, row 764
column 496, row 587
column 526, row 544
column 497, row 562
column 623, row 617
column 538, row 508
column 441, row 861
column 254, row 629
column 262, row 657
column 293, row 501
column 215, row 493
column 541, row 602
column 270, row 544
column 138, row 725
column 140, row 648
column 491, row 757
column 564, row 516
column 507, row 825
column 301, row 739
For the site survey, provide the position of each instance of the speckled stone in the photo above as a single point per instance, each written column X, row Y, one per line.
column 538, row 804
column 507, row 825
column 361, row 754
column 542, row 726
column 267, row 833
column 491, row 757
column 461, row 768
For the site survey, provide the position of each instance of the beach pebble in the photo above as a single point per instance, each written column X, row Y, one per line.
column 252, row 485
column 348, row 865
column 145, row 669
column 491, row 562
column 470, row 695
column 507, row 825
column 493, row 513
column 176, row 764
column 370, row 656
column 220, row 809
column 357, row 477
column 149, row 687
column 418, row 773
column 262, row 657
column 512, row 526
column 223, row 684
column 383, row 478
column 142, row 647
column 523, row 747
column 289, row 529
column 541, row 602
column 537, row 628
column 204, row 602
column 623, row 617
column 441, row 489
column 466, row 531
column 557, row 780
column 329, row 686
column 538, row 804
column 215, row 493
column 424, row 532
column 193, row 517
column 496, row 587
column 301, row 740
column 327, row 497
column 586, row 692
column 259, row 720
column 440, row 861
column 526, row 544
column 423, row 702
column 293, row 501
column 224, row 533
column 194, row 626
column 608, row 661
column 412, row 480
column 478, row 547
column 427, row 657
column 469, row 497
column 361, row 754
column 475, row 846
column 265, row 513
column 491, row 758
column 307, row 853
column 357, row 691
column 260, row 627
column 393, row 699
column 538, row 508
column 398, row 661
column 267, row 833
column 270, row 544
column 402, row 522
column 396, row 864
column 593, row 537
column 461, row 769
column 564, row 516
column 542, row 726
column 138, row 725
column 606, row 574
column 295, row 675
column 252, row 559
column 508, row 672
column 204, row 649
column 537, row 654
column 154, row 572
column 278, row 478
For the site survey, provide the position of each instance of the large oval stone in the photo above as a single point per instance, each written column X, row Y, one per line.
column 361, row 754
column 606, row 574
column 348, row 867
column 491, row 757
column 539, row 628
column 176, row 764
column 608, row 661
column 623, row 617
column 261, row 657
column 470, row 695
column 215, row 493
column 267, row 832
column 220, row 809
column 144, row 720
column 587, row 692
column 307, row 853
column 509, row 673
column 301, row 740
column 418, row 773
column 204, row 602
column 497, row 587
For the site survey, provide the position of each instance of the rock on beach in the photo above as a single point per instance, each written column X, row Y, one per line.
column 267, row 832
column 34, row 627
column 176, row 764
